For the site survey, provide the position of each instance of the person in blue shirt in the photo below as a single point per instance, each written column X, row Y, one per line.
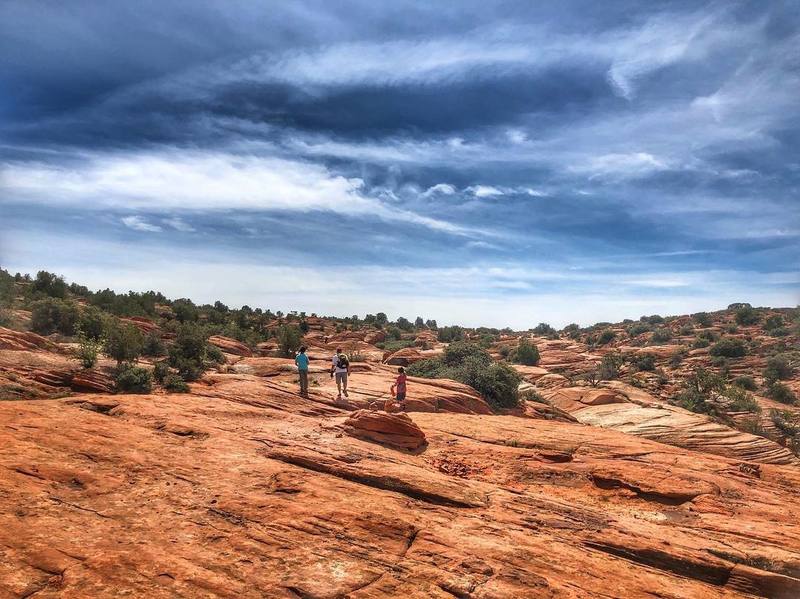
column 302, row 369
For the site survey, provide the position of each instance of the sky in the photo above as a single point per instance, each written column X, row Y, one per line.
column 476, row 162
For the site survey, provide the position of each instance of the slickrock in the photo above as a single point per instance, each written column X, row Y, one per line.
column 635, row 412
column 250, row 491
column 145, row 325
column 230, row 346
column 397, row 430
column 25, row 341
column 91, row 379
column 404, row 357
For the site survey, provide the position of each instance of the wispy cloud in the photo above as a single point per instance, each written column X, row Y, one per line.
column 137, row 223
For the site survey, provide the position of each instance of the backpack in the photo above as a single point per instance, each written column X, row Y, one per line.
column 342, row 361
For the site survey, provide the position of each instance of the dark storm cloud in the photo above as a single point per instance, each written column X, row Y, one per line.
column 554, row 147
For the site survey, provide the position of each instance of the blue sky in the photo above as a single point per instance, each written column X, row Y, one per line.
column 494, row 163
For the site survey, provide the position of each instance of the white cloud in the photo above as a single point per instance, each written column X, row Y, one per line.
column 440, row 188
column 179, row 225
column 537, row 193
column 201, row 181
column 625, row 165
column 484, row 191
column 137, row 223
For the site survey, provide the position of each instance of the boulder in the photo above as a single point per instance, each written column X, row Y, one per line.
column 396, row 430
column 92, row 380
column 230, row 346
column 404, row 357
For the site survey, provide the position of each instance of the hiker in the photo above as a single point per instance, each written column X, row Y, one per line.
column 301, row 360
column 399, row 388
column 341, row 368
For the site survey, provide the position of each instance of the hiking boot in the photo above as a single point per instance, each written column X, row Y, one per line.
column 345, row 394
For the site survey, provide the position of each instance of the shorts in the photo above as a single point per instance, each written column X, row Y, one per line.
column 401, row 396
column 341, row 377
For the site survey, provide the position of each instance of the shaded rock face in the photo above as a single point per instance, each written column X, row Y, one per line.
column 230, row 346
column 395, row 430
column 404, row 357
column 243, row 489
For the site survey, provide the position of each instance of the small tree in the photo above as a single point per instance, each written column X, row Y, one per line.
column 527, row 353
column 133, row 379
column 609, row 366
column 124, row 342
column 289, row 340
column 153, row 346
column 52, row 315
column 747, row 315
column 88, row 350
column 703, row 319
column 728, row 347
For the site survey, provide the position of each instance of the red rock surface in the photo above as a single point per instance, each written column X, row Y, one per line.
column 230, row 346
column 19, row 340
column 404, row 357
column 394, row 430
column 250, row 491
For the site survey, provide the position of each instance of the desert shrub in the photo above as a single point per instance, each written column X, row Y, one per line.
column 731, row 329
column 124, row 342
column 646, row 362
column 289, row 340
column 710, row 336
column 214, row 354
column 51, row 315
column 465, row 362
column 703, row 319
column 662, row 335
column 188, row 354
column 700, row 343
column 185, row 310
column 740, row 400
column 88, row 350
column 746, row 315
column 174, row 383
column 397, row 345
column 47, row 283
column 571, row 328
column 153, row 346
column 526, row 353
column 654, row 319
column 728, row 347
column 696, row 393
column 676, row 358
column 786, row 422
column 543, row 329
column 161, row 371
column 394, row 333
column 449, row 334
column 686, row 330
column 745, row 382
column 92, row 322
column 773, row 322
column 779, row 332
column 609, row 367
column 607, row 336
column 780, row 392
column 133, row 379
column 779, row 368
column 638, row 328
column 504, row 351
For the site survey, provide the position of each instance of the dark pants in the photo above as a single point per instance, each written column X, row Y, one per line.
column 303, row 381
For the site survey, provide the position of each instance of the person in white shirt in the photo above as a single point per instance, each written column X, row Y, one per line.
column 340, row 367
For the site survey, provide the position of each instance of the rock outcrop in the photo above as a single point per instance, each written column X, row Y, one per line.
column 395, row 430
column 230, row 346
column 404, row 357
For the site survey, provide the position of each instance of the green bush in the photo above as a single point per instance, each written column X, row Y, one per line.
column 161, row 371
column 740, row 400
column 47, row 283
column 188, row 354
column 133, row 379
column 609, row 367
column 654, row 319
column 696, row 393
column 88, row 350
column 92, row 322
column 779, row 368
column 780, row 392
column 153, row 346
column 745, row 382
column 703, row 319
column 639, row 328
column 646, row 362
column 662, row 335
column 450, row 334
column 773, row 322
column 700, row 343
column 123, row 342
column 289, row 340
column 676, row 358
column 607, row 336
column 728, row 347
column 471, row 365
column 526, row 353
column 710, row 336
column 786, row 422
column 52, row 315
column 214, row 354
column 544, row 329
column 176, row 384
column 747, row 315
